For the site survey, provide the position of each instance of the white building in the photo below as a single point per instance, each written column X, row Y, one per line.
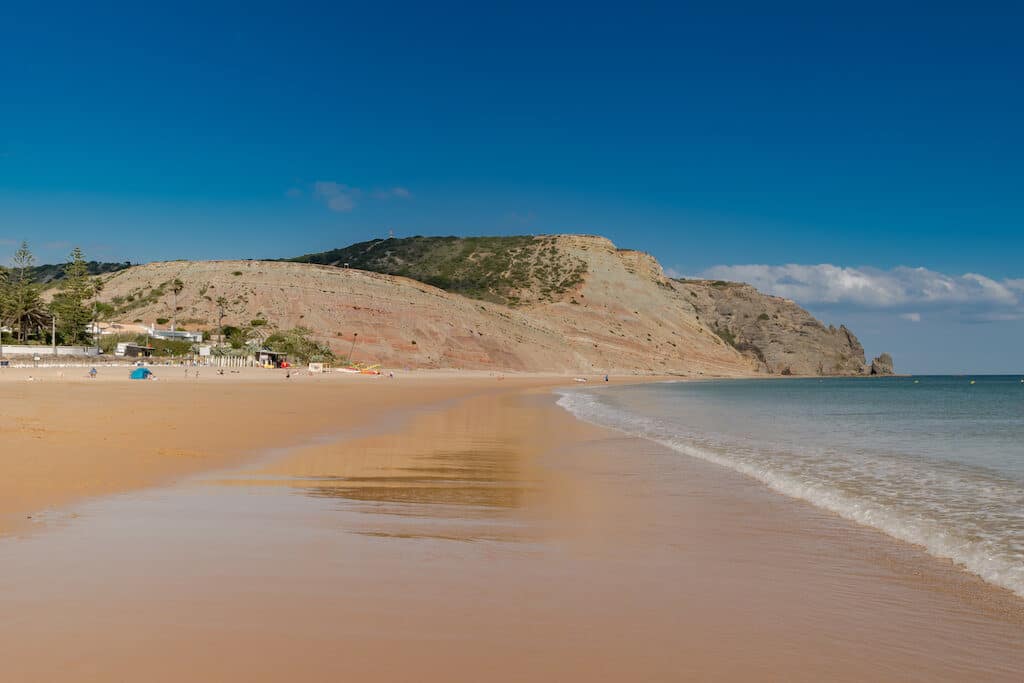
column 178, row 335
column 150, row 330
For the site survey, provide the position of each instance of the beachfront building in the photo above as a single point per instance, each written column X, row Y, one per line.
column 103, row 329
column 268, row 358
column 148, row 330
column 176, row 335
column 131, row 350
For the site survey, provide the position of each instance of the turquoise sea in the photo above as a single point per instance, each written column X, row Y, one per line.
column 933, row 460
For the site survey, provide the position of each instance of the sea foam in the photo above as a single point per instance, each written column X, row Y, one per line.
column 962, row 514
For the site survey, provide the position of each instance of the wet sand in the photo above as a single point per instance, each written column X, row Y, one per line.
column 485, row 536
column 65, row 437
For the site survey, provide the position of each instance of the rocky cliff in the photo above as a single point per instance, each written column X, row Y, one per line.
column 775, row 333
column 565, row 303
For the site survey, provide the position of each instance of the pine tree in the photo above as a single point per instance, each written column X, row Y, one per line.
column 69, row 304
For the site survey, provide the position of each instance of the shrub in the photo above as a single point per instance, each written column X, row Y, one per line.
column 726, row 335
column 299, row 346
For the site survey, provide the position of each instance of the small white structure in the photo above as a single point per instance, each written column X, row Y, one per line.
column 133, row 350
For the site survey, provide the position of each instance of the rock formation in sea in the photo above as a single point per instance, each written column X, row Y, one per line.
column 882, row 365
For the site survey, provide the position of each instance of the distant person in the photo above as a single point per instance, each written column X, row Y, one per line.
column 92, row 373
column 606, row 378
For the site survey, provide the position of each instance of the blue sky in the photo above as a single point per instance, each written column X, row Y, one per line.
column 867, row 139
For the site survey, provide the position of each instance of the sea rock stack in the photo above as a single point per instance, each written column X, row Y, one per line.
column 882, row 365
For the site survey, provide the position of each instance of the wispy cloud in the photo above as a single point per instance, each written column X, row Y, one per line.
column 392, row 193
column 337, row 196
column 520, row 217
column 904, row 290
column 344, row 198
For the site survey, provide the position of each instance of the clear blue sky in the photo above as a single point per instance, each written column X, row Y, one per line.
column 868, row 138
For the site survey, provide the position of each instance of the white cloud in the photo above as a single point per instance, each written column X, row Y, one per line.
column 337, row 196
column 901, row 289
column 912, row 317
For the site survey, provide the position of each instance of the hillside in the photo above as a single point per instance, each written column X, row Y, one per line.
column 506, row 270
column 602, row 309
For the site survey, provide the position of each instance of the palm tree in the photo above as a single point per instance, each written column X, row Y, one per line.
column 4, row 305
column 25, row 309
column 222, row 303
column 176, row 287
column 29, row 313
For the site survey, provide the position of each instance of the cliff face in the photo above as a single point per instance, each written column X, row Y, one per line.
column 781, row 337
column 566, row 303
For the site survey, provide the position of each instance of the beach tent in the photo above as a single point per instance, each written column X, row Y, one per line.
column 141, row 373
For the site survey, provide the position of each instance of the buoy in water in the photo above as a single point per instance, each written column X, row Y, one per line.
column 972, row 381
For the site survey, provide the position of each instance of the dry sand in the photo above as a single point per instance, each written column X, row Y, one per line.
column 469, row 530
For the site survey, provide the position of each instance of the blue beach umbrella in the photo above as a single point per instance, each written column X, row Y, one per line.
column 141, row 373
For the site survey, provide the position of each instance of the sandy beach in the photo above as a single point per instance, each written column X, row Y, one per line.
column 447, row 527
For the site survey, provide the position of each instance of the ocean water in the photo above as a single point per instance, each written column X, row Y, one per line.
column 936, row 461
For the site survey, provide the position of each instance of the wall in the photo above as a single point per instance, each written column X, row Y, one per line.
column 46, row 351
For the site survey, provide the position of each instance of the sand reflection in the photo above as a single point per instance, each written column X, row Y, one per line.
column 462, row 474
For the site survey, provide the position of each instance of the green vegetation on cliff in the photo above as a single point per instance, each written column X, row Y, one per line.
column 505, row 270
column 50, row 273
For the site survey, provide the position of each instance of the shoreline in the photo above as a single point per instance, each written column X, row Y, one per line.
column 786, row 485
column 486, row 532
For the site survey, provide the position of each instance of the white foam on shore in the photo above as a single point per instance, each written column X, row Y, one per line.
column 975, row 521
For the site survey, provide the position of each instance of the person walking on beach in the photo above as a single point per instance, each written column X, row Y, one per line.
column 92, row 373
